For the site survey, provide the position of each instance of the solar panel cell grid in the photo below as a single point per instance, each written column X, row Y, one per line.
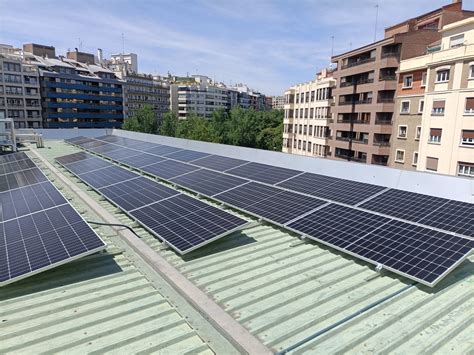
column 140, row 160
column 263, row 173
column 186, row 155
column 119, row 153
column 161, row 150
column 105, row 148
column 219, row 163
column 107, row 176
column 247, row 194
column 11, row 157
column 168, row 169
column 308, row 183
column 88, row 165
column 71, row 158
column 21, row 179
column 18, row 165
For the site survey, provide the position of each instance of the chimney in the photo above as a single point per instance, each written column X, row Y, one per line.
column 100, row 55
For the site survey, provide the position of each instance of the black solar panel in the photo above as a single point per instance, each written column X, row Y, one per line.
column 248, row 194
column 71, row 158
column 161, row 149
column 88, row 165
column 334, row 189
column 18, row 165
column 107, row 176
column 208, row 182
column 21, row 179
column 81, row 142
column 136, row 193
column 105, row 148
column 140, row 160
column 219, row 163
column 42, row 240
column 168, row 169
column 186, row 223
column 263, row 173
column 453, row 216
column 29, row 199
column 120, row 153
column 420, row 253
column 76, row 140
column 186, row 155
column 110, row 138
column 11, row 157
column 93, row 144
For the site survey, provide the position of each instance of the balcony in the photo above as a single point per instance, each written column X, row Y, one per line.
column 388, row 78
column 381, row 143
column 390, row 54
column 354, row 140
column 385, row 100
column 358, row 62
column 358, row 82
column 353, row 121
column 356, row 102
column 380, row 159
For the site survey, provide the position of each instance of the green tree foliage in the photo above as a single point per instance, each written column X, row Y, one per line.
column 169, row 125
column 247, row 128
column 144, row 121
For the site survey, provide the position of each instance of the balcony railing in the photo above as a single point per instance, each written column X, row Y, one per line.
column 385, row 100
column 384, row 122
column 382, row 144
column 355, row 140
column 388, row 77
column 358, row 82
column 356, row 102
column 358, row 62
column 390, row 54
column 351, row 158
column 354, row 121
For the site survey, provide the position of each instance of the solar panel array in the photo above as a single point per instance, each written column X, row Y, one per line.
column 183, row 222
column 38, row 228
column 399, row 230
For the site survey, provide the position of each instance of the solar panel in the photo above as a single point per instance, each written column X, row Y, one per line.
column 161, row 149
column 419, row 253
column 93, row 144
column 186, row 155
column 18, row 165
column 29, row 199
column 263, row 172
column 247, row 194
column 219, row 163
column 71, row 158
column 335, row 189
column 107, row 176
column 140, row 160
column 11, row 157
column 83, row 141
column 105, row 148
column 186, row 223
column 208, row 182
column 87, row 165
column 136, row 193
column 110, row 138
column 21, row 179
column 119, row 153
column 453, row 216
column 77, row 140
column 168, row 169
column 39, row 241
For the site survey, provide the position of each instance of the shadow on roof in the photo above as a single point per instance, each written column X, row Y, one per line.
column 85, row 269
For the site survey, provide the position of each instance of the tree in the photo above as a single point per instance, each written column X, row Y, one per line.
column 195, row 127
column 271, row 138
column 144, row 121
column 169, row 124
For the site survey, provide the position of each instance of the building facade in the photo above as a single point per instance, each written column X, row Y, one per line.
column 75, row 94
column 278, row 102
column 447, row 133
column 19, row 89
column 367, row 83
column 307, row 115
column 141, row 90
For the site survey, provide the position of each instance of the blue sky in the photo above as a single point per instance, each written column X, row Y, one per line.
column 268, row 45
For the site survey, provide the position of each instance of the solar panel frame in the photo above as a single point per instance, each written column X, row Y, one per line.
column 21, row 178
column 12, row 157
column 15, row 166
column 71, row 158
column 264, row 173
column 219, row 162
column 140, row 160
column 88, row 165
column 107, row 176
column 186, row 155
column 168, row 169
column 161, row 150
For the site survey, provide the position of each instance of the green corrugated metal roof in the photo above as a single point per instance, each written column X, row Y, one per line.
column 281, row 290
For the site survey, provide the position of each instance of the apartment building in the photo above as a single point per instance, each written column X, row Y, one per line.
column 199, row 95
column 409, row 107
column 367, row 83
column 76, row 94
column 144, row 89
column 446, row 143
column 307, row 115
column 19, row 89
column 278, row 102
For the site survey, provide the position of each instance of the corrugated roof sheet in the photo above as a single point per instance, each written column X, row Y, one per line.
column 281, row 289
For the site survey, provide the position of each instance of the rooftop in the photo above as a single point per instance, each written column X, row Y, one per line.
column 283, row 291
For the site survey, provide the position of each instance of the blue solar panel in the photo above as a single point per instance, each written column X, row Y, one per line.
column 107, row 176
column 186, row 155
column 88, row 165
column 18, row 165
column 168, row 169
column 137, row 193
column 77, row 140
column 42, row 240
column 120, row 153
column 71, row 158
column 12, row 157
column 219, row 163
column 92, row 144
column 105, row 148
column 208, row 182
column 263, row 173
column 21, row 179
column 140, row 160
column 161, row 150
column 29, row 199
column 186, row 223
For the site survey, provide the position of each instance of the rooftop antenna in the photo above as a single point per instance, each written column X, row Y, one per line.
column 332, row 46
column 376, row 20
column 123, row 44
column 80, row 44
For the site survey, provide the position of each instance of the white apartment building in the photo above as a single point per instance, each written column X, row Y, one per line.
column 447, row 133
column 307, row 116
column 198, row 94
column 278, row 102
column 19, row 89
column 121, row 62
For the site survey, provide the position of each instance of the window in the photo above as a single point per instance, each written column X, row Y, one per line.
column 423, row 79
column 469, row 108
column 442, row 76
column 438, row 107
column 400, row 156
column 309, row 147
column 418, row 133
column 305, row 129
column 431, row 163
column 304, row 145
column 402, row 131
column 312, row 96
column 301, row 113
column 300, row 129
column 467, row 138
column 415, row 159
column 407, row 81
column 435, row 135
column 297, row 98
column 310, row 130
column 456, row 41
column 466, row 169
column 296, row 113
column 299, row 144
column 305, row 113
column 311, row 113
column 405, row 107
column 471, row 72
column 307, row 96
column 421, row 106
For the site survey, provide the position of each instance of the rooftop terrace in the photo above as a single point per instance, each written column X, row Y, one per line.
column 282, row 290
